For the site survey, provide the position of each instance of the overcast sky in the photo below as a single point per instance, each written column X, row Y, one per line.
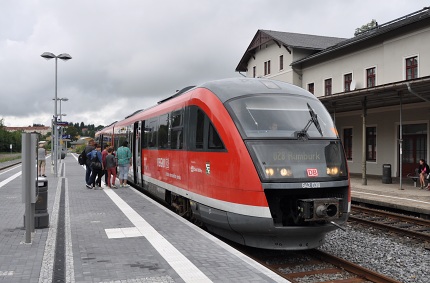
column 127, row 55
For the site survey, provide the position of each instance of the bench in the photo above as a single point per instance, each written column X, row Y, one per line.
column 414, row 177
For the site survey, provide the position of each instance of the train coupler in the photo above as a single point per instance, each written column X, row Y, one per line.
column 320, row 209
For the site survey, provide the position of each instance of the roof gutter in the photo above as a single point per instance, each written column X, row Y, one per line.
column 414, row 93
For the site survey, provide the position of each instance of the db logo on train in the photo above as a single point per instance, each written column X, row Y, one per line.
column 312, row 172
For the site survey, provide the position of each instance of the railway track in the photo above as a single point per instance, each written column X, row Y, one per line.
column 402, row 224
column 6, row 166
column 314, row 266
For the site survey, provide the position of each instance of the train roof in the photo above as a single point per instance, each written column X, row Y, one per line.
column 227, row 89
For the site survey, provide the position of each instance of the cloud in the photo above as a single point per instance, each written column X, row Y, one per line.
column 127, row 55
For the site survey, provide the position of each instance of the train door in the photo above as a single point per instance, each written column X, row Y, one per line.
column 137, row 150
column 197, row 126
column 130, row 139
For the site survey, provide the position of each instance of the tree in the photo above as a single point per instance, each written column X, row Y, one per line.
column 73, row 132
column 364, row 28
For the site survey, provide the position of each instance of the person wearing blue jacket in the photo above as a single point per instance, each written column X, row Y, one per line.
column 96, row 165
column 123, row 154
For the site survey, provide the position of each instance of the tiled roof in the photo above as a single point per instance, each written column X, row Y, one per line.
column 305, row 41
column 287, row 39
column 379, row 31
column 10, row 129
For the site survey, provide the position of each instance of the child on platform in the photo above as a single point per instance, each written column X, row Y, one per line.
column 111, row 168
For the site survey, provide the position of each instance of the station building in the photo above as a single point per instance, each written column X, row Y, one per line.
column 376, row 85
column 30, row 129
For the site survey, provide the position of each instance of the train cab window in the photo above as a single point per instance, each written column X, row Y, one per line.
column 281, row 116
column 202, row 133
column 214, row 141
column 163, row 131
column 176, row 132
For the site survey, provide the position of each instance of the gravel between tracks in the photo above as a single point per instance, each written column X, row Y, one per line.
column 399, row 257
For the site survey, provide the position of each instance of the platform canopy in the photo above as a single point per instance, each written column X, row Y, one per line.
column 379, row 96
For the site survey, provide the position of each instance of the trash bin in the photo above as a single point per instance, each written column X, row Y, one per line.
column 41, row 216
column 386, row 174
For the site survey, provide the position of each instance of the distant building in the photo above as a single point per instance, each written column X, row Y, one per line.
column 39, row 129
column 376, row 85
column 80, row 141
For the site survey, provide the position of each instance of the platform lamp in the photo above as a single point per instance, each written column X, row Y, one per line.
column 64, row 57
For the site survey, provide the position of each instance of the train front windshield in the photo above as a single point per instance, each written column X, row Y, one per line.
column 272, row 116
column 289, row 137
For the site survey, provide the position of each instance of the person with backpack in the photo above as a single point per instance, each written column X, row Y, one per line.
column 96, row 165
column 90, row 147
column 104, row 154
column 123, row 154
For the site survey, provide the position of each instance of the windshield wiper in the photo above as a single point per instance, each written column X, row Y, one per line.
column 303, row 134
column 255, row 122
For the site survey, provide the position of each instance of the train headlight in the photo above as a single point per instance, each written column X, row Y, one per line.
column 270, row 172
column 285, row 172
column 333, row 171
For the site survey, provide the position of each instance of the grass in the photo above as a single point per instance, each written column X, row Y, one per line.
column 9, row 156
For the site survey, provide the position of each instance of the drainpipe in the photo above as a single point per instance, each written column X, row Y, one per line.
column 414, row 93
column 401, row 141
column 363, row 166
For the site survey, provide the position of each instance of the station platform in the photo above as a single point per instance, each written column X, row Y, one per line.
column 411, row 198
column 110, row 236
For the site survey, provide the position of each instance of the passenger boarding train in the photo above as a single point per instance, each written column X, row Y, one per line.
column 256, row 161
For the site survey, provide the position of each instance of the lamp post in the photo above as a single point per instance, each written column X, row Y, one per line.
column 65, row 57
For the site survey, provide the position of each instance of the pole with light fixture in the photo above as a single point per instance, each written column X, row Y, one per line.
column 64, row 57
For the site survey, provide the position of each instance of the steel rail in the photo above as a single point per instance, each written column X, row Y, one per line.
column 395, row 216
column 8, row 166
column 353, row 268
column 416, row 220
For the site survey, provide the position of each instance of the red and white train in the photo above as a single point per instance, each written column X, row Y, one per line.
column 256, row 161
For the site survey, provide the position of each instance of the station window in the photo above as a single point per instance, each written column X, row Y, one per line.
column 327, row 87
column 267, row 68
column 412, row 68
column 371, row 77
column 347, row 79
column 371, row 143
column 311, row 88
column 281, row 62
column 347, row 142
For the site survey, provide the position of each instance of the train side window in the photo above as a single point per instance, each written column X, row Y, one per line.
column 214, row 141
column 144, row 136
column 176, row 132
column 163, row 131
column 151, row 133
column 200, row 129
